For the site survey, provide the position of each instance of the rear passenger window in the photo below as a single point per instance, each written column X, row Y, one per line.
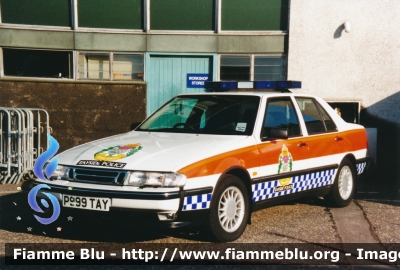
column 329, row 124
column 315, row 117
column 280, row 113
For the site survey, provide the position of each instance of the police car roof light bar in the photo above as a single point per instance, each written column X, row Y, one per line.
column 277, row 84
column 253, row 85
column 221, row 85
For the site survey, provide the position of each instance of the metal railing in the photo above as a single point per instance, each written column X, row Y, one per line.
column 23, row 132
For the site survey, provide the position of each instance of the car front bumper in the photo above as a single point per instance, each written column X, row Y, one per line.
column 163, row 207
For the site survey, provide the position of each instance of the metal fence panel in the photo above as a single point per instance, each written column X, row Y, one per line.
column 23, row 132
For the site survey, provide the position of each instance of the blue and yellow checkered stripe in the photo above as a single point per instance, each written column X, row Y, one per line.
column 266, row 190
column 196, row 202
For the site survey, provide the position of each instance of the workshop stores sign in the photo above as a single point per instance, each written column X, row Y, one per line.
column 196, row 80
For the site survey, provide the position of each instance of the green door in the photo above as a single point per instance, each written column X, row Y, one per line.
column 167, row 77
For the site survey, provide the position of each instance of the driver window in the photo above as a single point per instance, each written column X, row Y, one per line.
column 280, row 114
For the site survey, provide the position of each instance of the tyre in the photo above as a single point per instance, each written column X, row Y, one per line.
column 229, row 211
column 343, row 188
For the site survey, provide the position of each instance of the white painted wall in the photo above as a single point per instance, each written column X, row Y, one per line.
column 363, row 65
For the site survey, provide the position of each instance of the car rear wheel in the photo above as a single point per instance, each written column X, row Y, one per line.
column 343, row 188
column 229, row 209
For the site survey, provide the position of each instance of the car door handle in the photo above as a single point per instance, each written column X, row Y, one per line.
column 302, row 144
column 338, row 138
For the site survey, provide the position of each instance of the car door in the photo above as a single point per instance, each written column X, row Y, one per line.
column 281, row 159
column 324, row 142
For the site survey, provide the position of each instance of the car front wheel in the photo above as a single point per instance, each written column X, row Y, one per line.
column 229, row 209
column 343, row 188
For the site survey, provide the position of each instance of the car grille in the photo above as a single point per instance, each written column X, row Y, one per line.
column 108, row 177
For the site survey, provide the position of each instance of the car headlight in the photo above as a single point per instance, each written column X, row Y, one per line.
column 61, row 173
column 155, row 179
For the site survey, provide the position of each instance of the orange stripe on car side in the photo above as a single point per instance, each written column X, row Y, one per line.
column 357, row 137
column 336, row 143
column 248, row 157
column 268, row 153
column 245, row 157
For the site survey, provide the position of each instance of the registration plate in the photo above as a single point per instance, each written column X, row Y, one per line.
column 90, row 203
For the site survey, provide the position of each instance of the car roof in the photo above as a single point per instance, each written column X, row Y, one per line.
column 251, row 93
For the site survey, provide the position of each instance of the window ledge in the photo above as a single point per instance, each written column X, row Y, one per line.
column 213, row 33
column 34, row 27
column 108, row 30
column 64, row 80
column 140, row 31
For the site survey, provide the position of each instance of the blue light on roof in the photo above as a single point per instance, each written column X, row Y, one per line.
column 264, row 85
column 221, row 85
column 277, row 84
column 229, row 85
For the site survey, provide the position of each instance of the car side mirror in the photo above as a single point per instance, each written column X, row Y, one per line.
column 135, row 125
column 279, row 133
column 275, row 133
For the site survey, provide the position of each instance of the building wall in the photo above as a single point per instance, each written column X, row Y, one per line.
column 79, row 42
column 79, row 112
column 92, row 41
column 61, row 55
column 361, row 66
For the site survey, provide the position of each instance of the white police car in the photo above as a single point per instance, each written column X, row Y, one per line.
column 215, row 158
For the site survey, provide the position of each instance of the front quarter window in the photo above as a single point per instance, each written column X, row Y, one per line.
column 205, row 114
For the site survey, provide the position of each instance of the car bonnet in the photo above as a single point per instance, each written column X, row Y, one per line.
column 152, row 151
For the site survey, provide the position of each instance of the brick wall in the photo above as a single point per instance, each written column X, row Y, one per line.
column 79, row 112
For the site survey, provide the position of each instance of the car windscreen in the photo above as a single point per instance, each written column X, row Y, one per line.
column 205, row 114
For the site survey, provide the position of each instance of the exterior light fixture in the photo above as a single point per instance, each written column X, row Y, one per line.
column 347, row 26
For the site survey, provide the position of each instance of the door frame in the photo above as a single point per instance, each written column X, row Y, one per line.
column 212, row 56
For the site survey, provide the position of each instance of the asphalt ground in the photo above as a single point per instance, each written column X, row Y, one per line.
column 307, row 221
